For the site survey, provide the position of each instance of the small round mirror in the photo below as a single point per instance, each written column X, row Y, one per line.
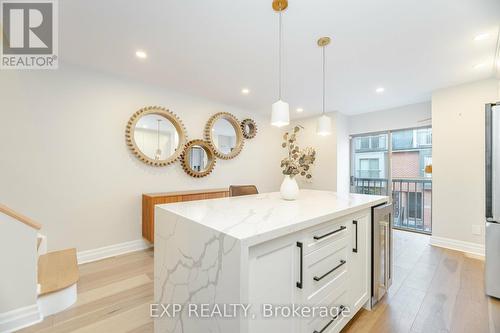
column 156, row 136
column 249, row 128
column 224, row 133
column 198, row 158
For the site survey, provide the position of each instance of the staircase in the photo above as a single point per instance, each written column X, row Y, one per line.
column 57, row 279
column 55, row 274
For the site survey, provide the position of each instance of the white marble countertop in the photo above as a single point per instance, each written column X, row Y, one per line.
column 257, row 218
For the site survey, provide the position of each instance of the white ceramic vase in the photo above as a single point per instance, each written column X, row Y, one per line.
column 289, row 189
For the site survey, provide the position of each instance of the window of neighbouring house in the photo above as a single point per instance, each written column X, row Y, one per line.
column 427, row 160
column 371, row 143
column 364, row 143
column 369, row 168
column 402, row 140
column 424, row 137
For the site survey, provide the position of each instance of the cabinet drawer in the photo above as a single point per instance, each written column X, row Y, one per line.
column 319, row 237
column 325, row 270
column 335, row 321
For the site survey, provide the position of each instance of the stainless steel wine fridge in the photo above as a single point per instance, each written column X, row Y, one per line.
column 382, row 216
column 492, row 267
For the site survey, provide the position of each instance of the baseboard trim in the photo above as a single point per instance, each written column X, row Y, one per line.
column 20, row 318
column 472, row 249
column 111, row 251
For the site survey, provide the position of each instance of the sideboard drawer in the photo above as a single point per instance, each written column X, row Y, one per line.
column 334, row 231
column 325, row 270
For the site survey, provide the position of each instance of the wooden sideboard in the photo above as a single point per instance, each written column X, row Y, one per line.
column 149, row 200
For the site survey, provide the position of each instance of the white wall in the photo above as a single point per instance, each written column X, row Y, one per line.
column 343, row 152
column 396, row 118
column 324, row 171
column 64, row 161
column 18, row 261
column 458, row 125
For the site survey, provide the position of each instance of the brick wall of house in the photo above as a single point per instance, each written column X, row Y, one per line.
column 405, row 164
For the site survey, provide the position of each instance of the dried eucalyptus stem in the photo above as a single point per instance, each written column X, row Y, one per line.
column 299, row 161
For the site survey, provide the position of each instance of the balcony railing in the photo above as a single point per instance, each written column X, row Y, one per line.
column 412, row 200
column 375, row 186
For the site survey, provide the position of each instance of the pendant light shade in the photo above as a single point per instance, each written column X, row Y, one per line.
column 281, row 114
column 324, row 125
column 324, row 122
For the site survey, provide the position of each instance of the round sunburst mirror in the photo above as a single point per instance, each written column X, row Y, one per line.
column 224, row 134
column 156, row 136
column 198, row 159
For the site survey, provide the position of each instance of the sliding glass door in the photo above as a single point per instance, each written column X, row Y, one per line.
column 411, row 173
column 370, row 164
column 397, row 164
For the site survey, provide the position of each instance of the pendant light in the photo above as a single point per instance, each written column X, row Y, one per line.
column 324, row 122
column 280, row 115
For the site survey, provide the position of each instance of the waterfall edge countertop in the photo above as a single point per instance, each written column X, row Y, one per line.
column 254, row 219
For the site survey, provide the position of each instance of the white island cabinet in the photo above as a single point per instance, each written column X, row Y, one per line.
column 259, row 264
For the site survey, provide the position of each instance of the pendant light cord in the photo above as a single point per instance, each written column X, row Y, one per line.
column 324, row 80
column 280, row 54
column 158, row 135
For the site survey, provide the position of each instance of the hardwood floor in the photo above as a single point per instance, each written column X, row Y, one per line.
column 113, row 297
column 434, row 290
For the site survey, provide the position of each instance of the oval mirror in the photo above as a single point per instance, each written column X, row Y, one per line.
column 223, row 132
column 198, row 158
column 156, row 136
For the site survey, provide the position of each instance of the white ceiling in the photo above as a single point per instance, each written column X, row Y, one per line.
column 214, row 48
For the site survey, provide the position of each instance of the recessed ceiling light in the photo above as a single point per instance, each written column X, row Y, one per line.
column 479, row 66
column 299, row 110
column 245, row 91
column 141, row 54
column 482, row 36
column 380, row 90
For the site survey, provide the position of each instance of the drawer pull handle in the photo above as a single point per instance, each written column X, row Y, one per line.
column 341, row 309
column 301, row 247
column 342, row 262
column 355, row 250
column 330, row 233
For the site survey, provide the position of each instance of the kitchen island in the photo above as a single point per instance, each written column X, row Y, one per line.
column 258, row 264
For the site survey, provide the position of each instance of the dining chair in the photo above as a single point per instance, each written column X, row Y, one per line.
column 238, row 190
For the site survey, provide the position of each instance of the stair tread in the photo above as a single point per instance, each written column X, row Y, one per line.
column 57, row 270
